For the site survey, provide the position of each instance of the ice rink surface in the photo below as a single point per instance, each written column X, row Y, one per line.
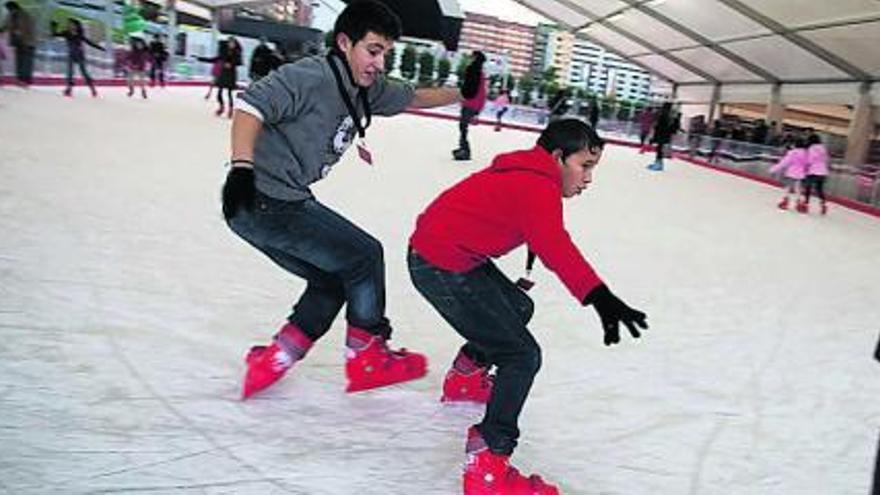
column 126, row 306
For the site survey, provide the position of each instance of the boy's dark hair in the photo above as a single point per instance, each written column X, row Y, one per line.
column 363, row 16
column 13, row 6
column 813, row 139
column 570, row 136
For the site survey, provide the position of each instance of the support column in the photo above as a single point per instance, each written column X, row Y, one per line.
column 713, row 104
column 171, row 43
column 215, row 29
column 775, row 108
column 674, row 91
column 861, row 127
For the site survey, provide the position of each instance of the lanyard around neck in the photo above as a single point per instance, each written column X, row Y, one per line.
column 343, row 93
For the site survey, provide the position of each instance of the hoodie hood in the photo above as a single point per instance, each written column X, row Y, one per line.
column 536, row 160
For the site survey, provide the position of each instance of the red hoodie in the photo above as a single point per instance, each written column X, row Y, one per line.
column 516, row 200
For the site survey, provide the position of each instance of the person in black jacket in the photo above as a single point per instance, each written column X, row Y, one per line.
column 229, row 57
column 665, row 127
column 159, row 56
column 262, row 61
column 76, row 53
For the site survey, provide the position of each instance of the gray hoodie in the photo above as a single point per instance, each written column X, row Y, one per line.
column 306, row 126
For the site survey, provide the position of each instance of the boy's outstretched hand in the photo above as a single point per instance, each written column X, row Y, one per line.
column 612, row 311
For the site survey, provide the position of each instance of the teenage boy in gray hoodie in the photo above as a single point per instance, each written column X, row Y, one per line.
column 289, row 130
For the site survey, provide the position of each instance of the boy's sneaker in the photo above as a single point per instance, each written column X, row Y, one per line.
column 371, row 364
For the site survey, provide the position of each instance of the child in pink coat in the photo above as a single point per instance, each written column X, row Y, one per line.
column 794, row 165
column 817, row 172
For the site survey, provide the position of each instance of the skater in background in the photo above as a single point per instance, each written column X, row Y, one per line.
column 3, row 58
column 75, row 38
column 229, row 58
column 664, row 129
column 262, row 61
column 646, row 122
column 158, row 59
column 516, row 200
column 593, row 112
column 474, row 90
column 138, row 58
column 793, row 166
column 817, row 172
column 215, row 73
column 718, row 134
column 291, row 127
column 501, row 102
column 22, row 39
column 558, row 105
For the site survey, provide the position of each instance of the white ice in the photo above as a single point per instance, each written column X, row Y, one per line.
column 127, row 305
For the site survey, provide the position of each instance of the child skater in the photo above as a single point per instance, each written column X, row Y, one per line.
column 76, row 54
column 817, row 172
column 517, row 200
column 501, row 102
column 137, row 66
column 794, row 168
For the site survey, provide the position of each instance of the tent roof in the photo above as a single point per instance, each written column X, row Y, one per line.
column 705, row 42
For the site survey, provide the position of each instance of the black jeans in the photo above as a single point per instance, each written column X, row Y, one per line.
column 464, row 120
column 814, row 183
column 81, row 63
column 491, row 313
column 24, row 64
column 341, row 263
column 157, row 71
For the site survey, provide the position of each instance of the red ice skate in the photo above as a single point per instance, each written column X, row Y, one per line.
column 802, row 207
column 68, row 92
column 371, row 364
column 467, row 382
column 219, row 111
column 231, row 109
column 267, row 364
column 823, row 208
column 487, row 473
column 783, row 205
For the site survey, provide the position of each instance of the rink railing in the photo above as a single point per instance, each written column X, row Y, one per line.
column 856, row 187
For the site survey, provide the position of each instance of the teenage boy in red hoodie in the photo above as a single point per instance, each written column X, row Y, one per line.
column 517, row 200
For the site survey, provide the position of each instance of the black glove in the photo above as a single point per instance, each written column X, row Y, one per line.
column 877, row 351
column 238, row 191
column 612, row 311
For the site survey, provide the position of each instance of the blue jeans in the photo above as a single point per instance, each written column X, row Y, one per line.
column 341, row 263
column 81, row 63
column 491, row 313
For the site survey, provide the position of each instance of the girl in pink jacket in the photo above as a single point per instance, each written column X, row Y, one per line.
column 817, row 172
column 473, row 91
column 794, row 165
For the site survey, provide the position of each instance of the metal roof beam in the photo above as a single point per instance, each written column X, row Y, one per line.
column 827, row 80
column 703, row 41
column 595, row 19
column 798, row 40
column 603, row 45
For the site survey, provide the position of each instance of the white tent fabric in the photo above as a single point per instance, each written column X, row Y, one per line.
column 804, row 45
